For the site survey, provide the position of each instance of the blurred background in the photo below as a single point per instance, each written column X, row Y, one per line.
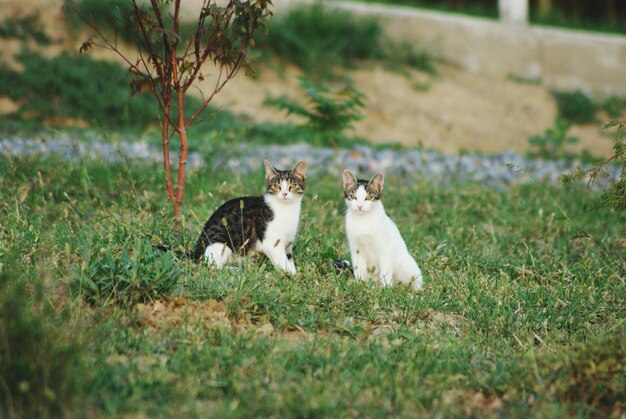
column 478, row 76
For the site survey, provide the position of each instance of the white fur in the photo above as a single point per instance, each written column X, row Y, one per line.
column 218, row 254
column 280, row 233
column 376, row 246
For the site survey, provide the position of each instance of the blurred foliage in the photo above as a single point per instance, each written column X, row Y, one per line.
column 74, row 87
column 317, row 39
column 320, row 40
column 614, row 197
column 114, row 16
column 614, row 106
column 327, row 111
column 405, row 53
column 39, row 352
column 69, row 88
column 576, row 106
column 591, row 373
column 551, row 144
column 24, row 28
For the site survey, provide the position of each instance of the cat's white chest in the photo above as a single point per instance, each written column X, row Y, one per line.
column 284, row 224
column 280, row 234
column 365, row 228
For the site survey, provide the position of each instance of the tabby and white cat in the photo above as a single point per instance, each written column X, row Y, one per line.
column 266, row 224
column 376, row 247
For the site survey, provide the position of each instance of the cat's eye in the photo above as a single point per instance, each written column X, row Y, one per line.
column 276, row 187
column 352, row 196
column 293, row 187
column 369, row 198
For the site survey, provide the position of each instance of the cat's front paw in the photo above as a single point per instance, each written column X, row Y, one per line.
column 291, row 267
column 360, row 274
column 386, row 281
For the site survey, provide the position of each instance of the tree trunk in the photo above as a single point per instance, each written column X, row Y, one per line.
column 166, row 151
column 171, row 74
column 182, row 161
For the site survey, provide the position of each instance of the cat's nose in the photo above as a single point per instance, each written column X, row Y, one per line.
column 284, row 194
column 359, row 207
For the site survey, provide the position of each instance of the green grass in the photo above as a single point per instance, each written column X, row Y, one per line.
column 520, row 316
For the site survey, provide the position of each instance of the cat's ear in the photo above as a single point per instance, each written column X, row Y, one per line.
column 300, row 169
column 349, row 180
column 270, row 171
column 377, row 181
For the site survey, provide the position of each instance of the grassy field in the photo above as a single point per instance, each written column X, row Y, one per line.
column 522, row 314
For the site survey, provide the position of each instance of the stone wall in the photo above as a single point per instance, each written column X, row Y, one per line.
column 560, row 59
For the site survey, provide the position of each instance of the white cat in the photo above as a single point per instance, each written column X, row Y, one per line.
column 376, row 246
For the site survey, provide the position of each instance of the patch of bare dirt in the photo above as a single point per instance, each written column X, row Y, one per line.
column 178, row 312
column 474, row 403
column 450, row 112
column 438, row 320
column 181, row 312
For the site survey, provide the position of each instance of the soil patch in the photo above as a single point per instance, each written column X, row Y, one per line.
column 168, row 314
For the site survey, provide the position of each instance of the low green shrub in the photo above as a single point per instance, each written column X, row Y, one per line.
column 316, row 38
column 327, row 112
column 552, row 143
column 614, row 106
column 320, row 39
column 576, row 107
column 405, row 53
column 122, row 269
